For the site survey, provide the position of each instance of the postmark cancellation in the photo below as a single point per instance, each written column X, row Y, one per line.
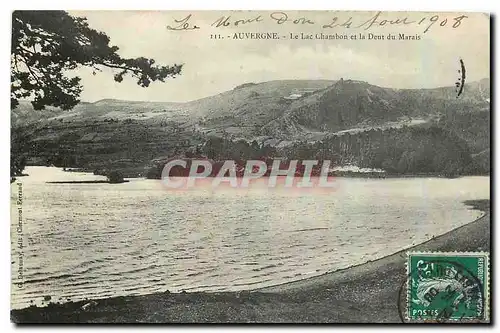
column 447, row 287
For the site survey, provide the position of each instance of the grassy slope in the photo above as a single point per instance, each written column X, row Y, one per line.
column 365, row 293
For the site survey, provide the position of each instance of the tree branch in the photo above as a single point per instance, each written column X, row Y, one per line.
column 25, row 50
column 30, row 70
column 135, row 71
column 15, row 63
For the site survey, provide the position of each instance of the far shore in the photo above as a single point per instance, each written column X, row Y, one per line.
column 87, row 182
column 138, row 172
column 364, row 293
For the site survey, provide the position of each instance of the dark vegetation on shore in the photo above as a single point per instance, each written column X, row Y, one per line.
column 414, row 150
column 364, row 293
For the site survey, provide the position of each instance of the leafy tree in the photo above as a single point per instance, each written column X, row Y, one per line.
column 19, row 142
column 213, row 147
column 48, row 44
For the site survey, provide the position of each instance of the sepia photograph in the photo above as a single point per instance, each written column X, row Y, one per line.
column 250, row 167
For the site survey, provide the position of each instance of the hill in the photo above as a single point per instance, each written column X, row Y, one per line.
column 275, row 113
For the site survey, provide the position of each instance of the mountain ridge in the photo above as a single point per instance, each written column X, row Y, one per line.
column 282, row 87
column 273, row 113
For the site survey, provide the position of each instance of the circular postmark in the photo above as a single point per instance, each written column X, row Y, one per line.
column 438, row 290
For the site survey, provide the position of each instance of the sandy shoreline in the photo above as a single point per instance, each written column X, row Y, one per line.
column 364, row 293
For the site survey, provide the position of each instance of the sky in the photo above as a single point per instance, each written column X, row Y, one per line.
column 212, row 66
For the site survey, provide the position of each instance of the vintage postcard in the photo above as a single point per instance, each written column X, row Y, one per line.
column 250, row 167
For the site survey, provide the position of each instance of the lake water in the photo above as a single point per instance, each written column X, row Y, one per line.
column 100, row 240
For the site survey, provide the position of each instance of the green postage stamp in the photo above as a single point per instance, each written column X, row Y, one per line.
column 448, row 286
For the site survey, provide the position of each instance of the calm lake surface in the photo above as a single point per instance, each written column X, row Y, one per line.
column 100, row 240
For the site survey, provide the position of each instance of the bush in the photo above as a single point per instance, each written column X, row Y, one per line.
column 115, row 177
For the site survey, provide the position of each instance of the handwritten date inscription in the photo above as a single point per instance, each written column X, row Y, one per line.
column 426, row 21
